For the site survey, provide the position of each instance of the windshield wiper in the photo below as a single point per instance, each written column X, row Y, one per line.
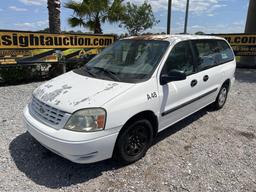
column 111, row 74
column 89, row 72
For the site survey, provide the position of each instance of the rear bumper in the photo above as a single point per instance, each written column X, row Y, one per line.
column 88, row 150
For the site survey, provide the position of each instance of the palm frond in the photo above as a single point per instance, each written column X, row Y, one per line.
column 75, row 22
column 90, row 25
column 80, row 9
column 116, row 11
column 75, row 6
column 91, row 13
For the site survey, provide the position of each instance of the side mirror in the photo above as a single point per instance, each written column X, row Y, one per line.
column 173, row 75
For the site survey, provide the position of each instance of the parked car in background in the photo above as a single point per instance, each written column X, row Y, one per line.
column 117, row 103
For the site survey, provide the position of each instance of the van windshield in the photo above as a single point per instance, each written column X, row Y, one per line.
column 127, row 60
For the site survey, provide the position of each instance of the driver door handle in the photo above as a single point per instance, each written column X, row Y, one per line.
column 193, row 83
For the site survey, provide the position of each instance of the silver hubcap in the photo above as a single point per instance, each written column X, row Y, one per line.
column 222, row 96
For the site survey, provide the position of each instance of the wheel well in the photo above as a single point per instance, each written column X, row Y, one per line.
column 227, row 82
column 149, row 115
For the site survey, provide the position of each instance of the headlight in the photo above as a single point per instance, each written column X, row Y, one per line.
column 87, row 120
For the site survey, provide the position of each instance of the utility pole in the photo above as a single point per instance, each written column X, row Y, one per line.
column 169, row 16
column 251, row 18
column 186, row 18
column 250, row 61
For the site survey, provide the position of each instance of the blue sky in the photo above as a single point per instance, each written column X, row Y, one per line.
column 209, row 16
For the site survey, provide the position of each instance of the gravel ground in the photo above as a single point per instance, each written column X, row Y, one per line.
column 209, row 151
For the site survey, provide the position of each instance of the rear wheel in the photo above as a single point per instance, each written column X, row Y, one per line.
column 221, row 98
column 134, row 141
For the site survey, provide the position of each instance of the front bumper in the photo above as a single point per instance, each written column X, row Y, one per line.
column 74, row 146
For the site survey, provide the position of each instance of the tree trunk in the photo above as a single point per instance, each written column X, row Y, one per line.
column 250, row 27
column 54, row 27
column 97, row 29
column 54, row 16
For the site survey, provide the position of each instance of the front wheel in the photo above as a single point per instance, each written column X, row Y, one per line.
column 221, row 98
column 134, row 141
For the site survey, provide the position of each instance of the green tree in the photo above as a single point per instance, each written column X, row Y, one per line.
column 92, row 13
column 138, row 18
column 54, row 16
column 199, row 33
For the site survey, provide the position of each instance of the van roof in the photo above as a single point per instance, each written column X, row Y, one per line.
column 171, row 38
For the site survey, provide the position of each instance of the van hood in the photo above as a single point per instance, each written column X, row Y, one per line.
column 71, row 92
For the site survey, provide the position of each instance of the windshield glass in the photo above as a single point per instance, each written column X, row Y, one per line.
column 128, row 60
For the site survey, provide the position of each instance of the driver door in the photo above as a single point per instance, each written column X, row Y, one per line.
column 180, row 98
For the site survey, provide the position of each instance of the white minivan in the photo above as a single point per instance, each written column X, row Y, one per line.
column 116, row 104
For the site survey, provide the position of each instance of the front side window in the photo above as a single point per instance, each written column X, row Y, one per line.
column 211, row 53
column 180, row 58
column 128, row 60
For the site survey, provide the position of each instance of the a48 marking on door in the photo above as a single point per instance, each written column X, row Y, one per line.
column 151, row 95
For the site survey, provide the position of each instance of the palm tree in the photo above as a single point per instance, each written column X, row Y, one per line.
column 92, row 13
column 54, row 16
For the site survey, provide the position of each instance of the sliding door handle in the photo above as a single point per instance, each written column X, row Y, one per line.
column 206, row 77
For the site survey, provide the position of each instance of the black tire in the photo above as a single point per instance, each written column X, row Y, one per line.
column 222, row 97
column 133, row 142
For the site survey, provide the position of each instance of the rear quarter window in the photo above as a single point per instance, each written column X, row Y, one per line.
column 211, row 53
column 225, row 51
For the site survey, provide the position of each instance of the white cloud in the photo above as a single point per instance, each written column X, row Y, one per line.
column 34, row 2
column 196, row 6
column 237, row 23
column 79, row 1
column 210, row 14
column 32, row 25
column 208, row 29
column 221, row 28
column 196, row 26
column 14, row 8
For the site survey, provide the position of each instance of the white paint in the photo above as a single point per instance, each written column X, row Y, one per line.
column 71, row 92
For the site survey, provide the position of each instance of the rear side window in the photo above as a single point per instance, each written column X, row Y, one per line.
column 211, row 53
column 226, row 52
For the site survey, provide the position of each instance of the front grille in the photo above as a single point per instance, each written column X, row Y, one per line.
column 47, row 114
